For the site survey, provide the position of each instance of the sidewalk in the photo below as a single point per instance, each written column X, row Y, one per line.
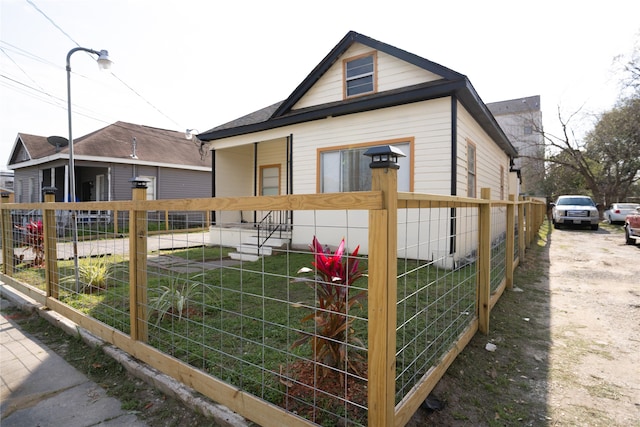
column 39, row 388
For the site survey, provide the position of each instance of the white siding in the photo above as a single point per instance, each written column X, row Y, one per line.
column 426, row 122
column 489, row 158
column 392, row 73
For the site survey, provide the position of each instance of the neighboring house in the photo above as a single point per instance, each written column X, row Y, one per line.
column 364, row 93
column 105, row 161
column 521, row 120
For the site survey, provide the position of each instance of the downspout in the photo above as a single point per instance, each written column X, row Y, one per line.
column 454, row 172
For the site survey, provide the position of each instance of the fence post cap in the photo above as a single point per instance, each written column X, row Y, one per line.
column 384, row 156
column 139, row 182
column 49, row 190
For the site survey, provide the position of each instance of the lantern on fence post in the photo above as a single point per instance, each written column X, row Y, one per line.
column 384, row 156
column 383, row 295
column 138, row 261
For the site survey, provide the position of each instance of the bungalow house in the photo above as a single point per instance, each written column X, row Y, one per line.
column 105, row 161
column 364, row 93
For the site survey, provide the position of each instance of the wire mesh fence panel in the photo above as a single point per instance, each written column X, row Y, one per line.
column 288, row 327
column 278, row 311
column 498, row 246
column 436, row 287
column 27, row 247
column 93, row 270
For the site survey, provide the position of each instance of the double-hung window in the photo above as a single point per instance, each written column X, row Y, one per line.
column 347, row 169
column 471, row 169
column 360, row 75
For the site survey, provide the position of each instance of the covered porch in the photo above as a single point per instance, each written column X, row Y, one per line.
column 260, row 168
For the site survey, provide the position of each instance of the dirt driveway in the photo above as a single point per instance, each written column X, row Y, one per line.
column 594, row 281
column 567, row 337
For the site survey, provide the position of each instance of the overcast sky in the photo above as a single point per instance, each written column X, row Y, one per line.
column 197, row 64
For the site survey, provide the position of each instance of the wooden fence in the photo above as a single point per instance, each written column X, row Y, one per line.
column 412, row 332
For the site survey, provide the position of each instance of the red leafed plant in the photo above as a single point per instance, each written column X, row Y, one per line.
column 334, row 275
column 33, row 237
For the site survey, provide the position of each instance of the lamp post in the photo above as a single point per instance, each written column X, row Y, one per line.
column 104, row 63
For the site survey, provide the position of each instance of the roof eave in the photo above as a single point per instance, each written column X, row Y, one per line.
column 340, row 109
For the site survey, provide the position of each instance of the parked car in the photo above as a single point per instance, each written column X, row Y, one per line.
column 575, row 210
column 632, row 227
column 617, row 212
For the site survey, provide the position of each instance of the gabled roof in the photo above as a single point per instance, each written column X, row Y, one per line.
column 114, row 143
column 29, row 147
column 451, row 84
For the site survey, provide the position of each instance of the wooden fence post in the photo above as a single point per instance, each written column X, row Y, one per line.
column 383, row 268
column 50, row 244
column 484, row 261
column 521, row 230
column 511, row 235
column 7, row 237
column 530, row 221
column 138, row 232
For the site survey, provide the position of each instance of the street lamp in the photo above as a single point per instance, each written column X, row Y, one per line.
column 104, row 63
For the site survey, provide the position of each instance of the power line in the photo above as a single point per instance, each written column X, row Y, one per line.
column 41, row 89
column 118, row 78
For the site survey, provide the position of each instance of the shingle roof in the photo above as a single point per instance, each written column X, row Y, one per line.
column 116, row 142
column 36, row 146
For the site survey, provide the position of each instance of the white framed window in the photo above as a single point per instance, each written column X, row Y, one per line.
column 32, row 190
column 471, row 169
column 151, row 187
column 359, row 75
column 270, row 180
column 100, row 188
column 18, row 191
column 347, row 169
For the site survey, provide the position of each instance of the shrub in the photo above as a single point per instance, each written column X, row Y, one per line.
column 93, row 273
column 175, row 298
column 32, row 236
column 331, row 282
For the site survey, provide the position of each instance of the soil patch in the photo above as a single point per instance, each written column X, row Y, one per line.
column 567, row 341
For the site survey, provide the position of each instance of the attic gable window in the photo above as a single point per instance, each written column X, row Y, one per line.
column 360, row 75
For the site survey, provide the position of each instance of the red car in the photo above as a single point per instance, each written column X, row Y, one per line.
column 632, row 227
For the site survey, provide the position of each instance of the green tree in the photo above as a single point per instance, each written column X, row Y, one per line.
column 613, row 151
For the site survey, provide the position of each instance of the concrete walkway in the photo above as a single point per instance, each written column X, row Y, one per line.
column 39, row 388
column 120, row 246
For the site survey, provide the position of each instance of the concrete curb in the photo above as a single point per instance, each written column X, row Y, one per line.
column 167, row 385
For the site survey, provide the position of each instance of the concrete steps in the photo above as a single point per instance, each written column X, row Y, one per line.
column 249, row 251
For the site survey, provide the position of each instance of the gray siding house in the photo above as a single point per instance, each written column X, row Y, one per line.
column 105, row 161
